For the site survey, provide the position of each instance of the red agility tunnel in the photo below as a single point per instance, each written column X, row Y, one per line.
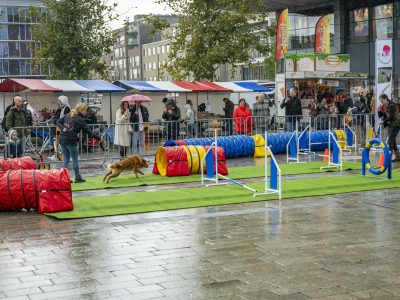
column 185, row 160
column 171, row 161
column 222, row 168
column 23, row 163
column 46, row 191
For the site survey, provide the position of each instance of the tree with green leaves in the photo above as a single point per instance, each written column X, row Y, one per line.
column 72, row 37
column 213, row 33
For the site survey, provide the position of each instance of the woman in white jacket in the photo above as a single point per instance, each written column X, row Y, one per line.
column 189, row 118
column 122, row 128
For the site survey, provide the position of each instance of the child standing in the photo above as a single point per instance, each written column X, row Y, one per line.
column 14, row 146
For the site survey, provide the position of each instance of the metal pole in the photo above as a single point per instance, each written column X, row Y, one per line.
column 110, row 110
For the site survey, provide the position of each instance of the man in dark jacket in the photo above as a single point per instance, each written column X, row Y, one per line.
column 3, row 122
column 16, row 118
column 139, row 116
column 292, row 106
column 391, row 119
column 228, row 109
column 172, row 115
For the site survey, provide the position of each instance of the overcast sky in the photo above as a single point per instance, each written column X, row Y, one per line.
column 129, row 8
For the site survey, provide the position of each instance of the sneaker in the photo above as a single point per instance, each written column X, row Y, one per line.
column 79, row 180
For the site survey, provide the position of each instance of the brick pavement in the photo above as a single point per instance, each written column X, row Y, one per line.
column 333, row 247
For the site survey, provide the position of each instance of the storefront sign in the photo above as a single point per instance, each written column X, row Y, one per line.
column 332, row 62
column 299, row 62
column 323, row 35
column 282, row 35
column 327, row 75
column 334, row 83
column 383, row 70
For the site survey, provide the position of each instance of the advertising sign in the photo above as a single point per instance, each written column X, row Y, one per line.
column 323, row 35
column 383, row 70
column 332, row 62
column 299, row 62
column 282, row 34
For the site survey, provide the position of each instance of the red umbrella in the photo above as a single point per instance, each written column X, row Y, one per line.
column 132, row 99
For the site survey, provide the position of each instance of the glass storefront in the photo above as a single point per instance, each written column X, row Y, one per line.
column 16, row 42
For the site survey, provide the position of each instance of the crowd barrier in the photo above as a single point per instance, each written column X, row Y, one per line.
column 43, row 139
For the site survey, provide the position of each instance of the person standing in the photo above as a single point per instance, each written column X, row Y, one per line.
column 391, row 119
column 172, row 115
column 123, row 128
column 13, row 146
column 242, row 118
column 71, row 125
column 261, row 114
column 229, row 109
column 293, row 110
column 139, row 116
column 16, row 119
column 189, row 118
column 28, row 112
column 63, row 107
column 3, row 122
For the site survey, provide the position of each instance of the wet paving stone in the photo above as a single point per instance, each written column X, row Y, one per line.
column 333, row 247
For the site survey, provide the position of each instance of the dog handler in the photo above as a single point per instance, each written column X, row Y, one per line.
column 71, row 125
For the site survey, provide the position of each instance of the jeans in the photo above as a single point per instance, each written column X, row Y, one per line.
column 71, row 152
column 291, row 125
column 137, row 137
column 393, row 132
column 190, row 128
column 229, row 126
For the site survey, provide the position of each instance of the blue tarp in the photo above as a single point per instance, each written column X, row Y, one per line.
column 253, row 86
column 141, row 86
column 100, row 86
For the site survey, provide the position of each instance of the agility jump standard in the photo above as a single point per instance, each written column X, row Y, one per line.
column 211, row 164
column 273, row 182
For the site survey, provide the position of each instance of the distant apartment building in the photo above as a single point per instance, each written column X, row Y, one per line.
column 16, row 39
column 155, row 56
column 126, row 59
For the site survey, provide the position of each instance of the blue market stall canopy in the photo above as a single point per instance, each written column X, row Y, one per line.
column 191, row 87
column 253, row 86
column 141, row 86
column 100, row 86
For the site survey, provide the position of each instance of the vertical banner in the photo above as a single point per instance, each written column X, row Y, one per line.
column 383, row 72
column 282, row 34
column 323, row 35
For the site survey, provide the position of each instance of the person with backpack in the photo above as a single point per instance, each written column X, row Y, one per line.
column 390, row 118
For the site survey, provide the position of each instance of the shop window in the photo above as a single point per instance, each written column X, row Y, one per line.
column 382, row 22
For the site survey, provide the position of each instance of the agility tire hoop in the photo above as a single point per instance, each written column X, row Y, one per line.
column 386, row 155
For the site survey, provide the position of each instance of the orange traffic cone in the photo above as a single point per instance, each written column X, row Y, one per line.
column 326, row 155
column 381, row 160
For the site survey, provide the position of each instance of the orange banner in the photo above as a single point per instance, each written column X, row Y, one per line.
column 323, row 35
column 282, row 35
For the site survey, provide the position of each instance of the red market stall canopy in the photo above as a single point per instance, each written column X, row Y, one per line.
column 14, row 85
column 23, row 85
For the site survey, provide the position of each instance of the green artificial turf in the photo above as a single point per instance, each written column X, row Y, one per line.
column 129, row 180
column 140, row 202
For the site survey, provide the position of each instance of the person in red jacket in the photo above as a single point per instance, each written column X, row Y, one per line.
column 242, row 118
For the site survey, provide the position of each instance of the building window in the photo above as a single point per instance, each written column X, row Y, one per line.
column 382, row 22
column 359, row 28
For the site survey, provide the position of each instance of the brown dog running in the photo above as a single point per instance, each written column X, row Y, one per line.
column 132, row 163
